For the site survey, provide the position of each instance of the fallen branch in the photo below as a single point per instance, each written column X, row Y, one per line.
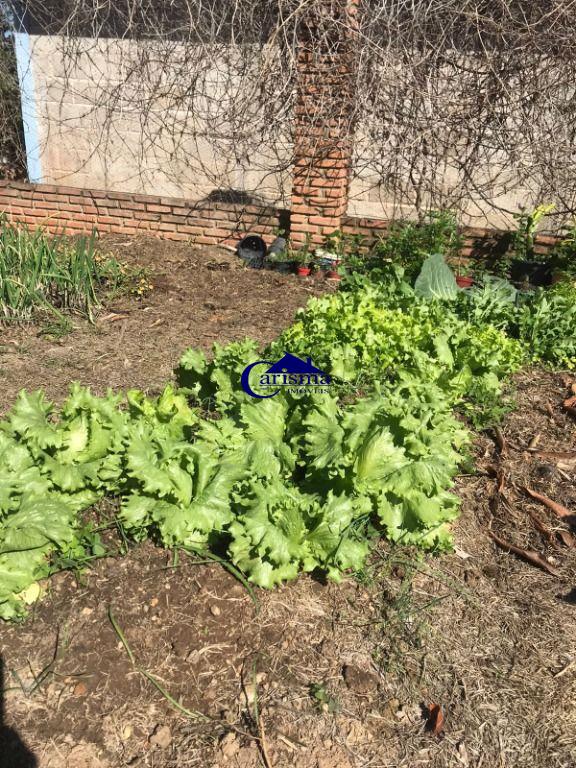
column 544, row 530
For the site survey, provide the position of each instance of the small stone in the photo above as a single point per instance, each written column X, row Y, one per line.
column 229, row 745
column 127, row 731
column 154, row 602
column 210, row 694
column 51, row 691
column 227, row 715
column 491, row 570
column 80, row 689
column 215, row 611
column 162, row 737
column 87, row 611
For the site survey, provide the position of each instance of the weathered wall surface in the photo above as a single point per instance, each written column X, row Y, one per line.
column 93, row 134
column 98, row 130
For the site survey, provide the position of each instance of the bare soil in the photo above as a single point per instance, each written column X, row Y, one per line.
column 316, row 675
column 199, row 296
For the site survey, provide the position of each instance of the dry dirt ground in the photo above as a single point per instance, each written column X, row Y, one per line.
column 199, row 297
column 315, row 675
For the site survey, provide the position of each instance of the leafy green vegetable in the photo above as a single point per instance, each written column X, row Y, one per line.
column 292, row 484
column 359, row 341
column 436, row 280
column 547, row 325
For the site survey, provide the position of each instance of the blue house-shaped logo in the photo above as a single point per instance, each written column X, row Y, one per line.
column 292, row 364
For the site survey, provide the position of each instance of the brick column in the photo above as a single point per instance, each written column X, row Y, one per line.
column 323, row 118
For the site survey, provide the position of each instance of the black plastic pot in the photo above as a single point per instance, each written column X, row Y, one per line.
column 253, row 250
column 533, row 272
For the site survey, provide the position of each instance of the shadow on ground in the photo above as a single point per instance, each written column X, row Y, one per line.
column 13, row 752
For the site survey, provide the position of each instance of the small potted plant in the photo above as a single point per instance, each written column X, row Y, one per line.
column 464, row 275
column 329, row 257
column 303, row 257
column 528, row 267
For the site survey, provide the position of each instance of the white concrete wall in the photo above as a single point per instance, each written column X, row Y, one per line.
column 93, row 132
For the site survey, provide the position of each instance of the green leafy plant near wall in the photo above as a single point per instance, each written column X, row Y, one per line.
column 282, row 486
column 408, row 244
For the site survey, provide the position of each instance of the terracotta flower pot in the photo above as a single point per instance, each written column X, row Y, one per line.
column 303, row 271
column 464, row 282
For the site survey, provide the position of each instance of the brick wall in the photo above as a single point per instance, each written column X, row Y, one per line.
column 479, row 243
column 72, row 210
column 207, row 222
column 323, row 129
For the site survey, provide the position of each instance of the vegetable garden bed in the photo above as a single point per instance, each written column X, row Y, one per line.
column 321, row 675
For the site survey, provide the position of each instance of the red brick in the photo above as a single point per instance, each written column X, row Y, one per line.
column 153, row 200
column 61, row 190
column 174, row 202
column 117, row 196
column 190, row 230
column 219, row 233
column 175, row 236
column 171, row 219
column 322, row 221
column 131, row 206
column 122, row 230
column 19, row 193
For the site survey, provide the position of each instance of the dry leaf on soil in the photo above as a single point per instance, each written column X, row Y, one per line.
column 567, row 539
column 435, row 723
column 529, row 555
column 558, row 509
column 500, row 440
column 544, row 530
column 534, row 442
